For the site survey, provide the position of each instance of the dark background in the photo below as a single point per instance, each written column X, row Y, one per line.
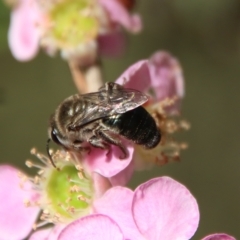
column 205, row 36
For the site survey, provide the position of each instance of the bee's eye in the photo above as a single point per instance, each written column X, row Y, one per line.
column 54, row 137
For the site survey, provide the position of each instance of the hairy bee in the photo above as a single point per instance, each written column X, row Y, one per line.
column 101, row 118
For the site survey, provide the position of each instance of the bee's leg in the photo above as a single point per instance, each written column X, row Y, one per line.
column 84, row 149
column 78, row 145
column 99, row 143
column 108, row 137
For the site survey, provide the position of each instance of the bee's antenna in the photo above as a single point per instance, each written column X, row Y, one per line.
column 48, row 152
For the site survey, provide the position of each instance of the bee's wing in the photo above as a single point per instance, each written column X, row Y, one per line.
column 104, row 103
column 124, row 100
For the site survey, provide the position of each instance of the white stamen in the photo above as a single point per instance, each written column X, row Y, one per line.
column 30, row 164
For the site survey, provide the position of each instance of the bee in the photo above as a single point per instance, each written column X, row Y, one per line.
column 101, row 118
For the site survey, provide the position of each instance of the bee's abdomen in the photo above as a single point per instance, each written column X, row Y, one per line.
column 136, row 125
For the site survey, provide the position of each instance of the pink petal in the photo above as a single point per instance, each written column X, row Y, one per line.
column 122, row 178
column 47, row 233
column 16, row 219
column 92, row 227
column 23, row 34
column 101, row 184
column 117, row 204
column 54, row 234
column 118, row 14
column 166, row 75
column 219, row 236
column 165, row 209
column 108, row 164
column 112, row 44
column 40, row 234
column 137, row 76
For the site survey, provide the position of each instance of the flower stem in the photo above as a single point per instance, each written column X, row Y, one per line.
column 93, row 76
column 87, row 79
column 78, row 77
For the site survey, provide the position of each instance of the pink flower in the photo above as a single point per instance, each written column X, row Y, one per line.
column 161, row 73
column 61, row 195
column 17, row 217
column 113, row 43
column 33, row 23
column 161, row 77
column 23, row 34
column 158, row 209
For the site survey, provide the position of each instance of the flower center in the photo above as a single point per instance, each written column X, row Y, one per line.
column 74, row 22
column 67, row 192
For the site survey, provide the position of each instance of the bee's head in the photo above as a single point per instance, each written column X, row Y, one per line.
column 55, row 137
column 52, row 130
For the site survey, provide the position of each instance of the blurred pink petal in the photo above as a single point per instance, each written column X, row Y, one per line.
column 120, row 15
column 166, row 75
column 18, row 219
column 117, row 204
column 165, row 209
column 91, row 228
column 219, row 236
column 112, row 44
column 137, row 76
column 108, row 164
column 23, row 34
